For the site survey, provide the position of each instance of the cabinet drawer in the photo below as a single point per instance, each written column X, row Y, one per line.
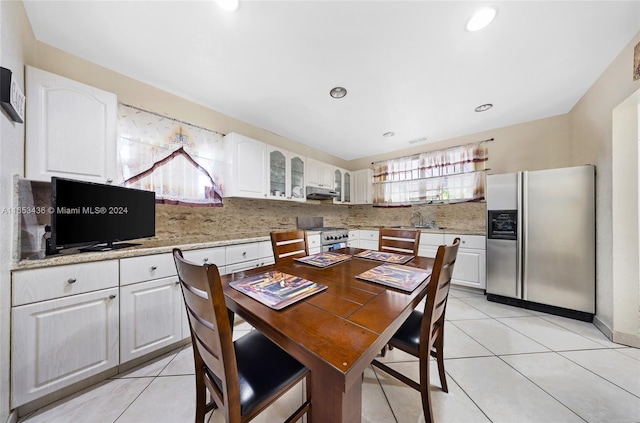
column 467, row 241
column 353, row 235
column 246, row 265
column 206, row 255
column 314, row 242
column 35, row 285
column 431, row 239
column 369, row 235
column 139, row 269
column 266, row 250
column 242, row 252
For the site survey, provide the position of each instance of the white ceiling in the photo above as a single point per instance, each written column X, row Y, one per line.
column 409, row 66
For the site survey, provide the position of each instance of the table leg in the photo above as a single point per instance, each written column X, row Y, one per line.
column 331, row 404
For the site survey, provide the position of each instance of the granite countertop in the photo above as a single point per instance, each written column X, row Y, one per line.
column 166, row 245
column 146, row 247
column 456, row 231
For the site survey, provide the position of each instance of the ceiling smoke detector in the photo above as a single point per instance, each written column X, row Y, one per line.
column 484, row 107
column 338, row 92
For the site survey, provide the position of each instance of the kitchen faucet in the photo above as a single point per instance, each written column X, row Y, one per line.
column 413, row 214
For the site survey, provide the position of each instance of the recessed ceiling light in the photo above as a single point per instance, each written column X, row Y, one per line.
column 228, row 5
column 338, row 92
column 484, row 107
column 482, row 18
column 388, row 134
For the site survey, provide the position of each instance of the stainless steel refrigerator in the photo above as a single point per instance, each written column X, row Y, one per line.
column 541, row 240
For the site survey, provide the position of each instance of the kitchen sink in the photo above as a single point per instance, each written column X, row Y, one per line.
column 418, row 227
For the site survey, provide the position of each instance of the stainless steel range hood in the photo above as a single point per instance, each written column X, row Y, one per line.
column 315, row 193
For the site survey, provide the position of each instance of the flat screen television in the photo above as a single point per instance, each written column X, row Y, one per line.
column 98, row 217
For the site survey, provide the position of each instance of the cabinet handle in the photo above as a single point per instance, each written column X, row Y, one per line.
column 109, row 180
column 177, row 283
column 71, row 280
column 206, row 259
column 111, row 297
column 244, row 254
column 154, row 268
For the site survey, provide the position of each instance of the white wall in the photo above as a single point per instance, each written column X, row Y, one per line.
column 624, row 210
column 16, row 47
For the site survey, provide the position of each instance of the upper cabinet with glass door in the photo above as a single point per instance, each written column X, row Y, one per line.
column 286, row 171
column 342, row 184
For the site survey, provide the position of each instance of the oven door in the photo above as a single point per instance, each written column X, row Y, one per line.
column 334, row 246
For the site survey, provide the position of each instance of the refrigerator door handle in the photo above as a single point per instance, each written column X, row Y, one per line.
column 523, row 218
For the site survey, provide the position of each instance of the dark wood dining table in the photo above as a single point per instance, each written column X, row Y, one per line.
column 335, row 333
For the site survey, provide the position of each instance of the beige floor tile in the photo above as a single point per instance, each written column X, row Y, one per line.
column 459, row 310
column 497, row 337
column 617, row 368
column 182, row 363
column 504, row 395
column 102, row 403
column 375, row 408
column 550, row 335
column 150, row 368
column 406, row 403
column 586, row 329
column 495, row 309
column 585, row 393
column 166, row 400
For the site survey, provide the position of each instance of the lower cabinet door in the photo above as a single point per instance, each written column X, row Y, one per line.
column 59, row 342
column 469, row 269
column 150, row 317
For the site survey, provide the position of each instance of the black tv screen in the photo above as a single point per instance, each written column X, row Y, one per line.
column 91, row 214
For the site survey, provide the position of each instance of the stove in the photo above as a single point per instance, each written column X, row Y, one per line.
column 331, row 238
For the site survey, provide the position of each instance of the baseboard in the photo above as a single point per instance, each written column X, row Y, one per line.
column 603, row 327
column 626, row 339
column 12, row 417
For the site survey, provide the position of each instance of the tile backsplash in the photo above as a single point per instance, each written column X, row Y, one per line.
column 244, row 216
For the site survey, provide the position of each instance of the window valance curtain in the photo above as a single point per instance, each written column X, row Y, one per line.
column 452, row 175
column 179, row 161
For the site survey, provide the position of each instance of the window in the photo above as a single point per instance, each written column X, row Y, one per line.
column 452, row 175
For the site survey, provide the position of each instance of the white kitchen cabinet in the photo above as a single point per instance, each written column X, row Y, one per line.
column 470, row 268
column 368, row 239
column 354, row 239
column 247, row 256
column 315, row 244
column 320, row 174
column 342, row 184
column 245, row 168
column 151, row 305
column 215, row 255
column 65, row 336
column 71, row 129
column 363, row 186
column 429, row 243
column 151, row 316
column 285, row 175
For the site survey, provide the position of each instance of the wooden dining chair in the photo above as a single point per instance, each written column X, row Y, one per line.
column 403, row 241
column 422, row 334
column 289, row 244
column 243, row 377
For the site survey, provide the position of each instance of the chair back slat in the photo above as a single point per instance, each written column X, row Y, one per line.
column 289, row 244
column 402, row 241
column 438, row 292
column 210, row 327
